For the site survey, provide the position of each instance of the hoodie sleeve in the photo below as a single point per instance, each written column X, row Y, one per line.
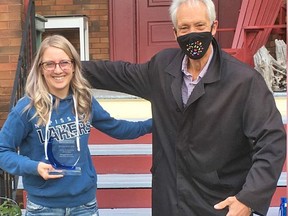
column 119, row 129
column 12, row 134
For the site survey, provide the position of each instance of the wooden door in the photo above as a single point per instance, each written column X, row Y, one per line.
column 154, row 28
column 140, row 28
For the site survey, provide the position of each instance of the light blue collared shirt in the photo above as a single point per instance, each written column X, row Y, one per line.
column 188, row 83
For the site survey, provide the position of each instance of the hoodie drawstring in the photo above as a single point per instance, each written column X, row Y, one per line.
column 48, row 124
column 77, row 124
column 47, row 127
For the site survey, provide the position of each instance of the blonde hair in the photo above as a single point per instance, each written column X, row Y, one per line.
column 37, row 90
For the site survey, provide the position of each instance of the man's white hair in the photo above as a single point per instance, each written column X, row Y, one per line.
column 177, row 3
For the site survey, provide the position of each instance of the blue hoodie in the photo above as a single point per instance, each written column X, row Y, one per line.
column 21, row 131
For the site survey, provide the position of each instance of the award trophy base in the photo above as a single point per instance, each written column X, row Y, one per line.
column 67, row 172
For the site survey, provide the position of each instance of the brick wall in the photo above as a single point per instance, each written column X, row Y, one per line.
column 10, row 40
column 97, row 13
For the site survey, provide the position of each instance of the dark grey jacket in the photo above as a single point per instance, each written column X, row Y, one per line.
column 229, row 139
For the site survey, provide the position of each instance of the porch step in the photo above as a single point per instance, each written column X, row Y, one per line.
column 281, row 103
column 108, row 181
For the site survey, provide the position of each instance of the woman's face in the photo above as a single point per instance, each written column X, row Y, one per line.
column 57, row 69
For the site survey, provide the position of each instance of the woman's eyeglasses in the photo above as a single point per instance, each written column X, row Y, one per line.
column 50, row 65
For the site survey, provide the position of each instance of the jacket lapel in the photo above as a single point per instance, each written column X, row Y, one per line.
column 174, row 69
column 197, row 92
column 213, row 75
column 176, row 88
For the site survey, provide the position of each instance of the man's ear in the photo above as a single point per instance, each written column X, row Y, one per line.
column 175, row 33
column 214, row 27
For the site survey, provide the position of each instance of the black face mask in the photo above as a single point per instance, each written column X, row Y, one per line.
column 195, row 44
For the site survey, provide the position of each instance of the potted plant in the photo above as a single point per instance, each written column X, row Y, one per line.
column 9, row 207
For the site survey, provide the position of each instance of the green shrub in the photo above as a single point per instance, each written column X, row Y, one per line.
column 9, row 207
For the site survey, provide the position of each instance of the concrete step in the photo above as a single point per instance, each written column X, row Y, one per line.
column 108, row 181
column 281, row 103
column 122, row 105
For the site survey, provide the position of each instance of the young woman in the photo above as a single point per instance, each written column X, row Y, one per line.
column 51, row 125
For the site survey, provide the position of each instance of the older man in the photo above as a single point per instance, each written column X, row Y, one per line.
column 218, row 141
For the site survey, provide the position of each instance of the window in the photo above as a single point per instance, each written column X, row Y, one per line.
column 70, row 27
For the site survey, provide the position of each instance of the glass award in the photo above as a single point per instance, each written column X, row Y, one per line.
column 63, row 156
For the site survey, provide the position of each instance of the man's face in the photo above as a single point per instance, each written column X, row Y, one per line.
column 193, row 18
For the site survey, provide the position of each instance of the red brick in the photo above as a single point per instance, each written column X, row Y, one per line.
column 10, row 2
column 91, row 7
column 7, row 66
column 14, row 58
column 4, row 16
column 14, row 25
column 4, row 24
column 47, row 2
column 4, row 59
column 11, row 33
column 58, row 8
column 5, row 91
column 5, row 84
column 9, row 50
column 14, row 16
column 16, row 8
column 45, row 10
column 3, row 8
column 99, row 45
column 15, row 41
column 7, row 75
column 64, row 2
